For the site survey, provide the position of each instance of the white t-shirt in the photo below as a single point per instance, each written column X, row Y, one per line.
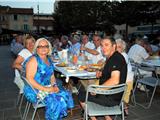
column 25, row 53
column 90, row 46
column 137, row 53
column 96, row 58
column 130, row 73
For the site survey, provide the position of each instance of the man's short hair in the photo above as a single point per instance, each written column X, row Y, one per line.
column 113, row 41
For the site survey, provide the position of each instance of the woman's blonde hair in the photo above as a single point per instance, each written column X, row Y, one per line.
column 26, row 38
column 37, row 43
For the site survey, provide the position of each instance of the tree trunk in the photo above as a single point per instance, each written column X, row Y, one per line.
column 152, row 28
column 126, row 34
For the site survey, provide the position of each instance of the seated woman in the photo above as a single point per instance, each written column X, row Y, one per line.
column 121, row 47
column 40, row 74
column 23, row 55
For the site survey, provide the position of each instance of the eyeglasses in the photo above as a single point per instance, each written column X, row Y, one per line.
column 40, row 46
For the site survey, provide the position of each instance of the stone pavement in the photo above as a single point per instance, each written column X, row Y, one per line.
column 9, row 92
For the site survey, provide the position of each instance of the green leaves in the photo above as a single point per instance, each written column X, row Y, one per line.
column 102, row 15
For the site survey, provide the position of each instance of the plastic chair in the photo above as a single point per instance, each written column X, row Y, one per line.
column 136, row 69
column 19, row 82
column 146, row 81
column 39, row 104
column 20, row 100
column 93, row 109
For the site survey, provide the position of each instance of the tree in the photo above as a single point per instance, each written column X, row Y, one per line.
column 149, row 13
column 135, row 12
column 85, row 15
column 102, row 15
column 125, row 12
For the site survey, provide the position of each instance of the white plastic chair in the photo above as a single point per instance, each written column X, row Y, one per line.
column 39, row 104
column 93, row 109
column 19, row 82
column 135, row 68
column 146, row 81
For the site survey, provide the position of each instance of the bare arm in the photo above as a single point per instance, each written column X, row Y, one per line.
column 17, row 64
column 114, row 79
column 31, row 69
column 53, row 80
column 91, row 51
column 94, row 52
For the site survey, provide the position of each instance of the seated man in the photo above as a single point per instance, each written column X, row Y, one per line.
column 87, row 44
column 114, row 73
column 75, row 47
column 138, row 53
column 65, row 44
column 17, row 46
column 97, row 55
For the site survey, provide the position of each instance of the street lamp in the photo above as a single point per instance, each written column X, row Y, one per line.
column 38, row 17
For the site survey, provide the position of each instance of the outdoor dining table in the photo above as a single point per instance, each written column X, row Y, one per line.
column 75, row 73
column 153, row 63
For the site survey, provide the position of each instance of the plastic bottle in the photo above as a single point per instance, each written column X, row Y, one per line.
column 82, row 54
column 75, row 59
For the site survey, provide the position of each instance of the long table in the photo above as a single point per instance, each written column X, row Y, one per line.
column 153, row 62
column 76, row 73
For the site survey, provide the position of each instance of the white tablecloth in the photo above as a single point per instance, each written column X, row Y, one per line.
column 155, row 63
column 76, row 73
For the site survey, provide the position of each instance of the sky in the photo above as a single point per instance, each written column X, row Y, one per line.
column 45, row 6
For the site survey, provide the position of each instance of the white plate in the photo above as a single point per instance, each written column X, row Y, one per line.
column 71, row 70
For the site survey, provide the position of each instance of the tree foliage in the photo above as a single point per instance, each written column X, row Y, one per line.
column 102, row 15
column 82, row 15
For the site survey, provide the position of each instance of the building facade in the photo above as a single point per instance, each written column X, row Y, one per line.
column 18, row 19
column 43, row 22
column 4, row 17
column 21, row 19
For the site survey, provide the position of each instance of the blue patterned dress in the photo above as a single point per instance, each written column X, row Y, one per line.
column 56, row 103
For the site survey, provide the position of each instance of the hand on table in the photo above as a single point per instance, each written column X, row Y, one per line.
column 98, row 74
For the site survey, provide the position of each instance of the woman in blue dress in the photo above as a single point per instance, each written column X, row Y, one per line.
column 40, row 74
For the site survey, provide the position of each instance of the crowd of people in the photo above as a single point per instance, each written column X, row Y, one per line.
column 35, row 57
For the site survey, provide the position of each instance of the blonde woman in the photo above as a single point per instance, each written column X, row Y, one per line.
column 40, row 74
column 25, row 53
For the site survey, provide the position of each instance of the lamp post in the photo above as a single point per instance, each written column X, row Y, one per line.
column 38, row 18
